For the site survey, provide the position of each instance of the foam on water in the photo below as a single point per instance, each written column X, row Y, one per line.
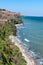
column 27, row 40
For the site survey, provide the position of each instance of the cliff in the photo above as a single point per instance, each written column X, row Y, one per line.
column 9, row 53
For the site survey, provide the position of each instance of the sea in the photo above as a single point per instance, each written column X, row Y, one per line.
column 31, row 35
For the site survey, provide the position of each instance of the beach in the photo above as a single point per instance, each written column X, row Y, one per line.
column 29, row 60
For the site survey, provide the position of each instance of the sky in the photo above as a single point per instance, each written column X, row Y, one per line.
column 25, row 7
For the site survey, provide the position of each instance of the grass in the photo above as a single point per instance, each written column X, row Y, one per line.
column 9, row 53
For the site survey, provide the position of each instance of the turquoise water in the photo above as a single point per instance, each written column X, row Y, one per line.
column 33, row 31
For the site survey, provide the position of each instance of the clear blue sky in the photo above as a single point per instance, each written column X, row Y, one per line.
column 26, row 7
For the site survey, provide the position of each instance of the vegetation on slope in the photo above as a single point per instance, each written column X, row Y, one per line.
column 9, row 53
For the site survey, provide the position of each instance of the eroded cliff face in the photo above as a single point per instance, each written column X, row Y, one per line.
column 8, row 16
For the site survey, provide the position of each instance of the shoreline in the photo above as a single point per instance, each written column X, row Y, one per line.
column 25, row 53
column 29, row 60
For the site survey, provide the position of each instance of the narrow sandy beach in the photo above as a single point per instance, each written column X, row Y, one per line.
column 27, row 57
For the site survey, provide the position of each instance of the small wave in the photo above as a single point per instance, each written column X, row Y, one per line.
column 27, row 40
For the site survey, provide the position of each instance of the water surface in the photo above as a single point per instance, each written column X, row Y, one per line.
column 32, row 30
